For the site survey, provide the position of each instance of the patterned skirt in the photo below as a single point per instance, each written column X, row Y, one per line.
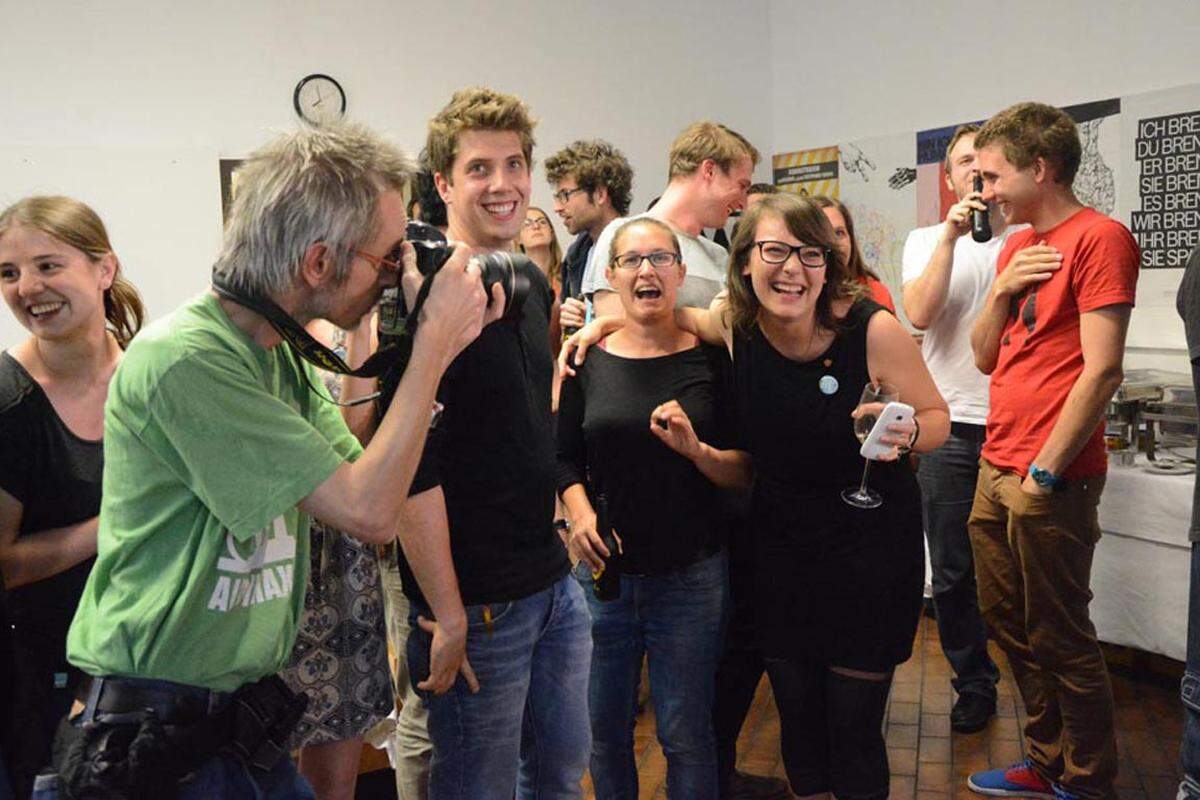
column 340, row 657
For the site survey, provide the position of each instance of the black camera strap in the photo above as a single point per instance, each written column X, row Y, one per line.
column 396, row 350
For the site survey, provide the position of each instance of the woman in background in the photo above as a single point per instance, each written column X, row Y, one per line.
column 846, row 245
column 62, row 281
column 340, row 657
column 537, row 240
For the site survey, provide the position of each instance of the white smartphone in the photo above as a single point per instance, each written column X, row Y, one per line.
column 892, row 414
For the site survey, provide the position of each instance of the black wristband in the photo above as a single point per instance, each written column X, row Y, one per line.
column 916, row 434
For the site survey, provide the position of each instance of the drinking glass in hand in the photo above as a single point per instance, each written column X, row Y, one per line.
column 874, row 397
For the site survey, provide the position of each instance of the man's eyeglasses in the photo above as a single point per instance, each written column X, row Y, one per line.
column 659, row 259
column 535, row 222
column 563, row 195
column 391, row 261
column 776, row 253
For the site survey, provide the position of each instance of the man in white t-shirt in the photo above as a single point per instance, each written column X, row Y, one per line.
column 946, row 279
column 708, row 175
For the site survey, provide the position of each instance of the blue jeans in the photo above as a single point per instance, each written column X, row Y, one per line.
column 947, row 477
column 676, row 620
column 224, row 777
column 1189, row 751
column 531, row 709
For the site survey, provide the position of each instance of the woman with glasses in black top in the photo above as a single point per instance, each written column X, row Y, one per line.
column 838, row 587
column 631, row 426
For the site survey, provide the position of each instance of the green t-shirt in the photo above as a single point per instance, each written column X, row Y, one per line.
column 210, row 442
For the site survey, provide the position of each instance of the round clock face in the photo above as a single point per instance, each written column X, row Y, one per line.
column 319, row 99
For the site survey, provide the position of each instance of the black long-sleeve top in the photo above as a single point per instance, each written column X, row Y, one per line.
column 667, row 513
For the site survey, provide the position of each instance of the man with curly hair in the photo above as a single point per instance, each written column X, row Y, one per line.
column 592, row 183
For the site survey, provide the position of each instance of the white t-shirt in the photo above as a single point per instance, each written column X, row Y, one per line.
column 947, row 343
column 705, row 259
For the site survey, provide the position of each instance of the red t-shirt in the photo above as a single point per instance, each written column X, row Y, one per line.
column 1040, row 355
column 879, row 292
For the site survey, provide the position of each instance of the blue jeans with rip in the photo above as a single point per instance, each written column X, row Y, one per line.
column 526, row 730
column 1189, row 750
column 676, row 620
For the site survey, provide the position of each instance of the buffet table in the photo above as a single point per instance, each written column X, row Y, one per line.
column 1142, row 562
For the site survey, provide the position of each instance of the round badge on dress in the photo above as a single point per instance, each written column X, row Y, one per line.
column 828, row 384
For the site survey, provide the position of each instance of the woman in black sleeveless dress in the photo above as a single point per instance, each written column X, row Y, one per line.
column 839, row 588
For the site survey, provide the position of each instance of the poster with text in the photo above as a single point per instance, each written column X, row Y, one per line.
column 807, row 172
column 878, row 185
column 1159, row 200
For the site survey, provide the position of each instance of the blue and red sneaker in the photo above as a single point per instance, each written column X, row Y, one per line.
column 1019, row 780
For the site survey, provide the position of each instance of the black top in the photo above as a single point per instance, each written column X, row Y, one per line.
column 1187, row 302
column 492, row 453
column 56, row 477
column 666, row 512
column 834, row 583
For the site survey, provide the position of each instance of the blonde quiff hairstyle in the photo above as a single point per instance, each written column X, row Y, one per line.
column 708, row 140
column 477, row 109
column 75, row 224
column 317, row 184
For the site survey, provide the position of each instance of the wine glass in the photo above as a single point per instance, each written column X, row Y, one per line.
column 874, row 397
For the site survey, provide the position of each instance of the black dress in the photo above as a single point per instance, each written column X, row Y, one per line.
column 835, row 583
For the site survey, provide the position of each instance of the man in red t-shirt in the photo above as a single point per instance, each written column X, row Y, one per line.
column 1052, row 337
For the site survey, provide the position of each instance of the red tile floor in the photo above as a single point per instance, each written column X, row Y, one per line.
column 928, row 762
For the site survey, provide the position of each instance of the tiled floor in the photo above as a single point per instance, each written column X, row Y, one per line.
column 928, row 763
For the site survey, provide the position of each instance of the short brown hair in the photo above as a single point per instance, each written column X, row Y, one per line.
column 477, row 109
column 970, row 129
column 1029, row 131
column 594, row 163
column 708, row 140
column 808, row 223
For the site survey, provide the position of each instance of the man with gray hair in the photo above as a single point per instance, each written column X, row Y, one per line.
column 217, row 453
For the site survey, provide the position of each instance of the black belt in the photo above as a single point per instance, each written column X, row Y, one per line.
column 172, row 703
column 968, row 430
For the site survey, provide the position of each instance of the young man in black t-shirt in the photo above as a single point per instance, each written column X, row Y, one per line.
column 481, row 509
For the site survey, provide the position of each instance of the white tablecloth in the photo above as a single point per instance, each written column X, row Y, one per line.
column 1140, row 572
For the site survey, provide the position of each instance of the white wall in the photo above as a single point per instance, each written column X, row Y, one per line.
column 855, row 69
column 129, row 105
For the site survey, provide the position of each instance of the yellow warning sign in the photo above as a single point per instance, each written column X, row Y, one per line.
column 807, row 172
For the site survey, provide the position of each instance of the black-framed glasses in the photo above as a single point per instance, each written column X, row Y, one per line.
column 535, row 222
column 659, row 259
column 776, row 253
column 563, row 195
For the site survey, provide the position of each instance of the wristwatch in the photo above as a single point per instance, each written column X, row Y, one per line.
column 1045, row 478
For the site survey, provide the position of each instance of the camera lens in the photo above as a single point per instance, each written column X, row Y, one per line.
column 506, row 269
